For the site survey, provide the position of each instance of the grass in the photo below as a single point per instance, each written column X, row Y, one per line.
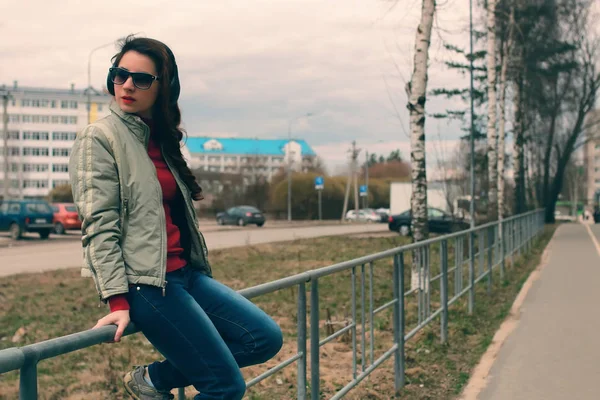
column 57, row 303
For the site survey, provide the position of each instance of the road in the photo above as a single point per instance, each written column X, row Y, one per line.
column 32, row 255
column 553, row 352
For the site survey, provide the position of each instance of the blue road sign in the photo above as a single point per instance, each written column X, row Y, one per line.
column 319, row 182
column 362, row 190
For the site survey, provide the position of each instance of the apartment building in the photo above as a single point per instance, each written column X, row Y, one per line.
column 42, row 125
column 591, row 159
column 264, row 157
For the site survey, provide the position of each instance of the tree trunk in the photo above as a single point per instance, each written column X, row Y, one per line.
column 491, row 125
column 416, row 91
column 506, row 45
column 518, row 153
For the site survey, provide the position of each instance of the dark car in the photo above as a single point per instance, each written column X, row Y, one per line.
column 241, row 216
column 439, row 222
column 20, row 216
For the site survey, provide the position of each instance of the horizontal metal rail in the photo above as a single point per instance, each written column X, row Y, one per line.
column 504, row 239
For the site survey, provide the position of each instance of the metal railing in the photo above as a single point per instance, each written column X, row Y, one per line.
column 489, row 246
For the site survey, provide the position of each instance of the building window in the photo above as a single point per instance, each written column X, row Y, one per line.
column 35, row 151
column 35, row 183
column 53, row 103
column 14, row 118
column 15, row 185
column 214, row 158
column 25, row 103
column 35, row 135
column 64, row 136
column 12, row 167
column 64, row 104
column 44, row 119
column 13, row 151
column 61, row 152
column 60, row 168
column 14, row 135
column 35, row 167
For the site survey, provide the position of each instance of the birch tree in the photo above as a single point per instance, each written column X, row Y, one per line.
column 491, row 122
column 506, row 45
column 416, row 92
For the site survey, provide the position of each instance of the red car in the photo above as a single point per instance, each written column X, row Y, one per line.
column 65, row 217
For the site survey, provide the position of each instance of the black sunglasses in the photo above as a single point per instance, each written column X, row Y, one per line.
column 141, row 80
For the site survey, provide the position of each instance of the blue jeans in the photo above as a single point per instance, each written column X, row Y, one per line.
column 205, row 330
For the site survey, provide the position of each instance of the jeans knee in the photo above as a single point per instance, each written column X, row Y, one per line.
column 273, row 341
column 235, row 388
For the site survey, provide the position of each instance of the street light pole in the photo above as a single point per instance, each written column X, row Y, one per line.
column 289, row 165
column 5, row 97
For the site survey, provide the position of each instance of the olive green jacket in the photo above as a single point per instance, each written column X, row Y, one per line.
column 119, row 200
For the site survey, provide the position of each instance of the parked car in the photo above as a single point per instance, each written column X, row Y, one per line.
column 241, row 216
column 367, row 215
column 65, row 217
column 439, row 222
column 20, row 216
column 384, row 213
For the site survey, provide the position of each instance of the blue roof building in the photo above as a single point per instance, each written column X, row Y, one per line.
column 256, row 157
column 260, row 147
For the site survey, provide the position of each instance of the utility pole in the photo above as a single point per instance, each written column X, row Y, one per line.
column 352, row 178
column 5, row 97
column 367, row 178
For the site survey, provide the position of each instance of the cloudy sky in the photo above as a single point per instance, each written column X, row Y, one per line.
column 249, row 67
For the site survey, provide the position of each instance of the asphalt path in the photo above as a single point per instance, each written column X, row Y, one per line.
column 34, row 255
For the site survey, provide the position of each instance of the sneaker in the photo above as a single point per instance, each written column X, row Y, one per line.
column 139, row 389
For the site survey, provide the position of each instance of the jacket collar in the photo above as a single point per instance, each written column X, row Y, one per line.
column 135, row 124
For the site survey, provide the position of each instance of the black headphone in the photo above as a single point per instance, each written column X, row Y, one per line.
column 174, row 86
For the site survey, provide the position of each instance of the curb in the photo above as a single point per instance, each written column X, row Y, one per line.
column 481, row 373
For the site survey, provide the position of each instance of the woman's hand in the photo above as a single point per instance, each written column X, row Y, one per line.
column 119, row 318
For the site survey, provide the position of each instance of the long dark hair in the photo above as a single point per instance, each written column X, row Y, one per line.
column 165, row 113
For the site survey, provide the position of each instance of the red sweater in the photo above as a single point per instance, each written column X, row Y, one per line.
column 168, row 185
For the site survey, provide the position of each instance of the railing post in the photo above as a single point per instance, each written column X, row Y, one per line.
column 481, row 251
column 28, row 389
column 314, row 340
column 490, row 237
column 444, row 291
column 302, row 341
column 371, row 316
column 363, row 339
column 519, row 235
column 353, row 322
column 398, row 282
column 501, row 238
column 471, row 272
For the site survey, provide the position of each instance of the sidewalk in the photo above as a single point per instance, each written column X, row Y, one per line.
column 554, row 352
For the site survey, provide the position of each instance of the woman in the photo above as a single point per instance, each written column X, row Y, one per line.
column 141, row 243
